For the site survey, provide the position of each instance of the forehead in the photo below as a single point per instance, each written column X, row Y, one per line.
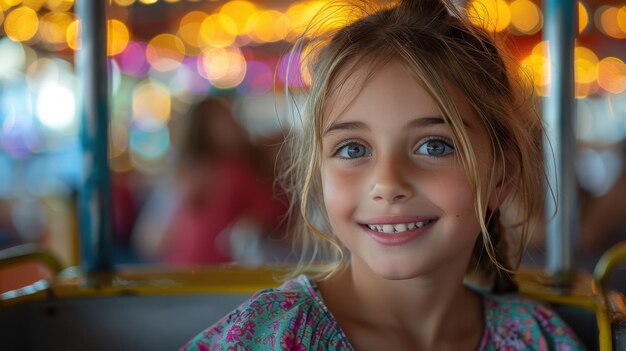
column 392, row 88
column 387, row 89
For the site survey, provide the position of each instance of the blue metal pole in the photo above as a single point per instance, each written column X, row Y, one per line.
column 561, row 24
column 94, row 200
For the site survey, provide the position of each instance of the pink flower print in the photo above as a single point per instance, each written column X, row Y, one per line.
column 234, row 333
column 287, row 303
column 248, row 329
column 272, row 337
column 291, row 342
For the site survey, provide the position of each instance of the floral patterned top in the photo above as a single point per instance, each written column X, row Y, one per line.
column 294, row 317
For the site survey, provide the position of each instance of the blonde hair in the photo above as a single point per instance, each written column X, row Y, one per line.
column 447, row 55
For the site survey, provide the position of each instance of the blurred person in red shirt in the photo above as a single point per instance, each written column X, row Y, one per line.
column 221, row 203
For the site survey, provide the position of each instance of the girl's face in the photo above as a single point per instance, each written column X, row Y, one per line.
column 395, row 191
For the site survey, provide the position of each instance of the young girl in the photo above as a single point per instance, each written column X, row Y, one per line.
column 413, row 151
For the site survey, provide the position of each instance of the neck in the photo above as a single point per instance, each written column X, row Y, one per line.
column 428, row 308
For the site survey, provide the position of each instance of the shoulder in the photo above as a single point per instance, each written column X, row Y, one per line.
column 289, row 317
column 519, row 323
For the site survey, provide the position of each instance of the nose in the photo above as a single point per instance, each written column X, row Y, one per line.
column 391, row 181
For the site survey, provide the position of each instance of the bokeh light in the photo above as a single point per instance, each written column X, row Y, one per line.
column 225, row 68
column 493, row 15
column 612, row 75
column 218, row 30
column 239, row 11
column 621, row 19
column 300, row 14
column 21, row 24
column 606, row 19
column 118, row 37
column 59, row 5
column 190, row 27
column 152, row 102
column 71, row 35
column 34, row 4
column 292, row 71
column 56, row 106
column 124, row 3
column 13, row 59
column 526, row 17
column 53, row 29
column 583, row 17
column 258, row 81
column 150, row 144
column 268, row 26
column 133, row 61
column 585, row 65
column 42, row 70
column 165, row 52
column 119, row 138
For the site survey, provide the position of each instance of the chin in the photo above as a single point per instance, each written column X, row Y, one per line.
column 397, row 271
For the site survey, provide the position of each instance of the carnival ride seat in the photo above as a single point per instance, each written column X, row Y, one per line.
column 160, row 309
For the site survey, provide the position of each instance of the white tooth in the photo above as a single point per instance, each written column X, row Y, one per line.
column 379, row 228
column 419, row 224
column 411, row 226
column 388, row 228
column 400, row 228
column 371, row 227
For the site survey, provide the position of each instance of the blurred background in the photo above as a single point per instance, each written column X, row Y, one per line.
column 184, row 72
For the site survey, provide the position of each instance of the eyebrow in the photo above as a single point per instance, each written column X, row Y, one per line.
column 416, row 123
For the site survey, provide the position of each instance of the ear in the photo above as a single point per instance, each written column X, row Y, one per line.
column 502, row 189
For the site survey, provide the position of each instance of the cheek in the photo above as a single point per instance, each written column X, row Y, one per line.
column 340, row 191
column 453, row 194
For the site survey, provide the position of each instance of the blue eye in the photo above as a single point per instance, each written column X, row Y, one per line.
column 435, row 148
column 352, row 150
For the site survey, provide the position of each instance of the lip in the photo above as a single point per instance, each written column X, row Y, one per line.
column 398, row 239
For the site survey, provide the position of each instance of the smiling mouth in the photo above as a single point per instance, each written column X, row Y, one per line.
column 398, row 228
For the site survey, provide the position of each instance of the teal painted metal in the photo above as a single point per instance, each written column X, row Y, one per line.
column 94, row 203
column 560, row 30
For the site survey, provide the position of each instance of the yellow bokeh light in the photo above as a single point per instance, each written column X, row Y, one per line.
column 59, row 5
column 225, row 68
column 526, row 17
column 300, row 16
column 124, row 3
column 621, row 19
column 607, row 21
column 585, row 65
column 165, row 52
column 268, row 26
column 537, row 68
column 493, row 15
column 218, row 30
column 118, row 37
column 34, row 4
column 53, row 28
column 190, row 26
column 240, row 12
column 582, row 90
column 152, row 100
column 148, row 2
column 21, row 24
column 71, row 35
column 7, row 4
column 583, row 17
column 612, row 75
